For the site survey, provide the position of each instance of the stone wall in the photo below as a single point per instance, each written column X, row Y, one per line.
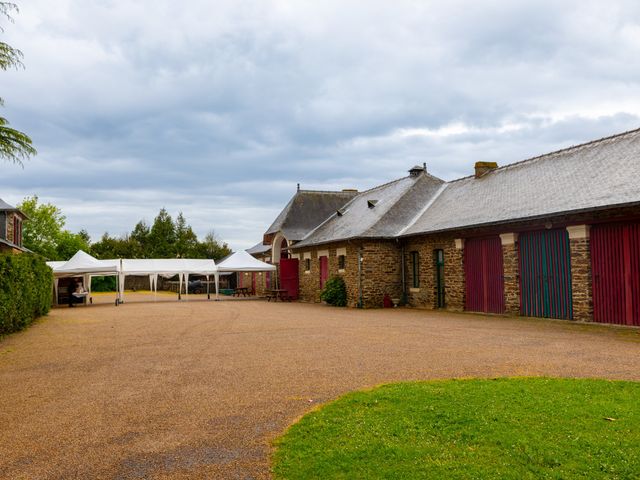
column 9, row 236
column 425, row 296
column 310, row 279
column 510, row 265
column 380, row 271
column 581, row 283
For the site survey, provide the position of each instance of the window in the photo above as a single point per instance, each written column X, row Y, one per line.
column 307, row 264
column 342, row 261
column 415, row 269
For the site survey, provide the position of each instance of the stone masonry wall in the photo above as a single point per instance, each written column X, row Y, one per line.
column 581, row 286
column 511, row 278
column 380, row 271
column 425, row 296
column 10, row 216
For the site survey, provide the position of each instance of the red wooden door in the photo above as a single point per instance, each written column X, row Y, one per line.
column 615, row 268
column 484, row 276
column 324, row 270
column 289, row 276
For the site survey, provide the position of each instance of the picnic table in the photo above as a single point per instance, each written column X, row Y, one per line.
column 244, row 291
column 281, row 293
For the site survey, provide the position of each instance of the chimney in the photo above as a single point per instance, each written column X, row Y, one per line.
column 416, row 170
column 484, row 167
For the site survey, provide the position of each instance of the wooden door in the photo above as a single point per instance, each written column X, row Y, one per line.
column 615, row 268
column 324, row 270
column 289, row 276
column 484, row 275
column 545, row 274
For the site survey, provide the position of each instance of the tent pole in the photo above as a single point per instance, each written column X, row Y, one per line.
column 208, row 296
column 217, row 279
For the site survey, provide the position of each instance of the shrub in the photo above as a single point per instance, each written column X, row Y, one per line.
column 335, row 292
column 25, row 290
column 103, row 284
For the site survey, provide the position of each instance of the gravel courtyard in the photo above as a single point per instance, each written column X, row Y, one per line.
column 198, row 389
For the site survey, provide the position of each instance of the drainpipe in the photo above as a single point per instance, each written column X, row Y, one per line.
column 360, row 277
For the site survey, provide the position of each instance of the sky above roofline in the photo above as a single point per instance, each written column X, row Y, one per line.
column 219, row 113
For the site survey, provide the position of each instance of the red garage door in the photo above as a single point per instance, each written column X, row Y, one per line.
column 615, row 264
column 484, row 275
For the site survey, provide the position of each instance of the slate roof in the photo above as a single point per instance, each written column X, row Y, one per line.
column 4, row 206
column 594, row 175
column 258, row 248
column 381, row 212
column 306, row 210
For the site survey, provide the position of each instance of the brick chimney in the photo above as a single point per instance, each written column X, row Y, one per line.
column 484, row 167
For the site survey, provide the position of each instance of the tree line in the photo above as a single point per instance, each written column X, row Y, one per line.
column 44, row 233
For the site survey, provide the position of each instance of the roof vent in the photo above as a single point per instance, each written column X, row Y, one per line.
column 417, row 170
column 484, row 167
column 371, row 203
column 340, row 212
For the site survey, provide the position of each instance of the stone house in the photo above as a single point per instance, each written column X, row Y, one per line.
column 11, row 220
column 553, row 236
column 305, row 211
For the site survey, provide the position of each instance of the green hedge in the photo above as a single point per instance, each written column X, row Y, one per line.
column 103, row 284
column 25, row 290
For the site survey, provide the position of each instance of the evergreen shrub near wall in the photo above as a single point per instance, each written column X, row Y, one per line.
column 25, row 290
column 335, row 292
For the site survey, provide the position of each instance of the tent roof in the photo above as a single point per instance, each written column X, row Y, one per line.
column 241, row 261
column 168, row 266
column 82, row 262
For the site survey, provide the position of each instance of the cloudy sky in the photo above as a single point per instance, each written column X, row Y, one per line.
column 218, row 108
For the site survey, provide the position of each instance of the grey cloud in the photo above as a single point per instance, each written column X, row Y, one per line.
column 138, row 105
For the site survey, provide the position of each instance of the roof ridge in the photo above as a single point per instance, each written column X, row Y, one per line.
column 327, row 191
column 377, row 187
column 411, row 188
column 423, row 210
column 556, row 152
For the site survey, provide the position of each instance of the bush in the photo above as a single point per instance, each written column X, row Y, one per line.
column 335, row 292
column 25, row 290
column 103, row 284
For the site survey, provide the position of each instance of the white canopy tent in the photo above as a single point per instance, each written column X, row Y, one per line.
column 82, row 264
column 242, row 261
column 167, row 267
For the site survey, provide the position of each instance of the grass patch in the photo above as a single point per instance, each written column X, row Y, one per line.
column 520, row 428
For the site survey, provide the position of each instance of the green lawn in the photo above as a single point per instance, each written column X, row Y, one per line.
column 505, row 428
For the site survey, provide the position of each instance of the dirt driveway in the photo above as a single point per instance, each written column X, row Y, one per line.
column 198, row 389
